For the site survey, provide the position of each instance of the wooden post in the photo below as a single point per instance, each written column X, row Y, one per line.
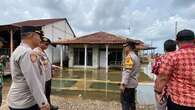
column 85, row 74
column 11, row 41
column 123, row 57
column 106, row 58
column 61, row 56
column 106, row 71
column 85, row 56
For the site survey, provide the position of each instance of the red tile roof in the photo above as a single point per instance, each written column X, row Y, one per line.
column 96, row 38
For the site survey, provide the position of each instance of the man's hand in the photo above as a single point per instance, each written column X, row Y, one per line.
column 45, row 107
column 54, row 67
column 161, row 98
column 160, row 82
column 122, row 87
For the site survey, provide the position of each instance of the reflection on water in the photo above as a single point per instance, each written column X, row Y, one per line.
column 92, row 74
column 96, row 84
column 145, row 94
column 147, row 68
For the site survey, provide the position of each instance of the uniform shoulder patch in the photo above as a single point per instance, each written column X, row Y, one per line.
column 33, row 57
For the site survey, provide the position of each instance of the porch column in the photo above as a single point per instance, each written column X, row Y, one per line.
column 106, row 58
column 106, row 70
column 85, row 46
column 61, row 56
column 11, row 41
column 85, row 74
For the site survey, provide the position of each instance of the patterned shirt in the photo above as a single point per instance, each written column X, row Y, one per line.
column 180, row 67
column 156, row 65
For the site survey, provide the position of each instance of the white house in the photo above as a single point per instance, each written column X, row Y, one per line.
column 54, row 29
column 98, row 50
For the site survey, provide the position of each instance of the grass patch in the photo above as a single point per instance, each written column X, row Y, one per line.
column 103, row 86
column 93, row 95
column 63, row 83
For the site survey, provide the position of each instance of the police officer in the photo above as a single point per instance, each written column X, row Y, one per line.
column 2, row 42
column 27, row 89
column 129, row 82
column 46, row 68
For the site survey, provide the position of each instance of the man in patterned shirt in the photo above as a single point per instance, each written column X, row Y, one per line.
column 177, row 71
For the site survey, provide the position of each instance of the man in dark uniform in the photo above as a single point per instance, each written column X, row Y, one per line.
column 2, row 42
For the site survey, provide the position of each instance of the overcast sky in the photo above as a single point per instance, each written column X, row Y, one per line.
column 147, row 20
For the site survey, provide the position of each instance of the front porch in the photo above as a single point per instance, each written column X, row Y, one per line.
column 95, row 56
column 97, row 50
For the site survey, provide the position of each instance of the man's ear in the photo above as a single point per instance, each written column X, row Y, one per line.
column 177, row 42
column 29, row 35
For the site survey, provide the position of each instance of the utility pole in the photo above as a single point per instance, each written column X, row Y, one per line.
column 151, row 44
column 176, row 23
column 52, row 51
column 129, row 29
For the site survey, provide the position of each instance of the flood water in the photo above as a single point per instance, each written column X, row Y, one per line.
column 97, row 84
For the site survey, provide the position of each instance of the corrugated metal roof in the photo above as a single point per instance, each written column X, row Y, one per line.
column 35, row 23
column 40, row 22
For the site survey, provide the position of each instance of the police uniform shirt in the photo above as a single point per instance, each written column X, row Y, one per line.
column 131, row 69
column 45, row 63
column 27, row 87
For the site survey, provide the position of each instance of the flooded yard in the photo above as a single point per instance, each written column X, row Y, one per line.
column 77, row 89
column 99, row 85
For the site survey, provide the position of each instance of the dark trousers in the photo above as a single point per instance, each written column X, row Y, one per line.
column 1, row 93
column 172, row 106
column 128, row 99
column 48, row 90
column 35, row 107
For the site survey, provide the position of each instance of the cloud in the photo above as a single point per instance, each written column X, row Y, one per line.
column 149, row 20
column 182, row 3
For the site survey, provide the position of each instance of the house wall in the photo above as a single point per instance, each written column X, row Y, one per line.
column 54, row 32
column 71, row 56
column 95, row 55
